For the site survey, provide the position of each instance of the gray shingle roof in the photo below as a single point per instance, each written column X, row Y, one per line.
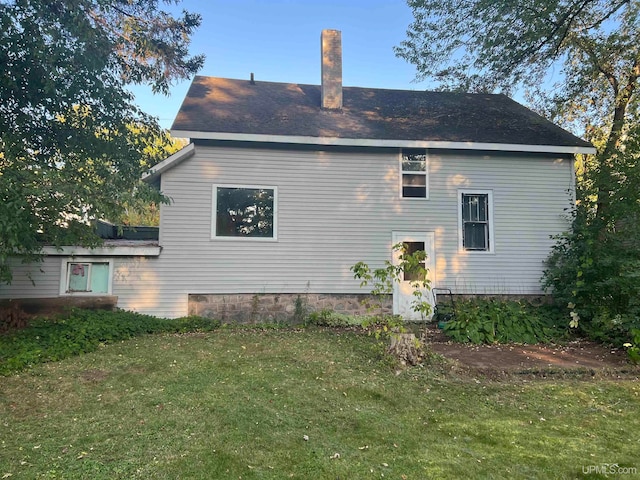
column 219, row 105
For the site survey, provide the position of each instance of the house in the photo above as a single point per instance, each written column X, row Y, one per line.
column 284, row 187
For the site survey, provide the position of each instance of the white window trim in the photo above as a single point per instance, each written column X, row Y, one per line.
column 214, row 212
column 64, row 276
column 492, row 238
column 426, row 173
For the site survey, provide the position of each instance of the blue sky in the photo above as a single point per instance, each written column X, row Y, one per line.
column 279, row 41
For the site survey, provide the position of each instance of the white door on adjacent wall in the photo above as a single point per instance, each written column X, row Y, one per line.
column 403, row 297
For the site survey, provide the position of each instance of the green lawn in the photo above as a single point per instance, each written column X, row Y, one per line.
column 301, row 404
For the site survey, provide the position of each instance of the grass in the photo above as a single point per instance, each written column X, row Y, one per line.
column 311, row 403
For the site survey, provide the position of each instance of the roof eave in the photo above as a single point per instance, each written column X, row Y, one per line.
column 170, row 162
column 370, row 142
column 105, row 251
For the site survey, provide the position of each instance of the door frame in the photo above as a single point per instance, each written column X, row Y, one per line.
column 401, row 299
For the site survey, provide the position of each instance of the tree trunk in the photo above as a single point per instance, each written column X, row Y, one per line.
column 406, row 348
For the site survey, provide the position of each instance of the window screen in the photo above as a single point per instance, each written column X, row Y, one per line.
column 414, row 174
column 475, row 221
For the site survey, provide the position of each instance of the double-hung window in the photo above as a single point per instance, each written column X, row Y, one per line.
column 414, row 174
column 476, row 220
column 241, row 211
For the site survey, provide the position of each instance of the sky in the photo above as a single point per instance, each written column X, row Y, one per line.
column 279, row 41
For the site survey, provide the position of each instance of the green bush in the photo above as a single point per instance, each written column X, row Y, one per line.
column 633, row 347
column 496, row 321
column 594, row 268
column 82, row 331
column 329, row 318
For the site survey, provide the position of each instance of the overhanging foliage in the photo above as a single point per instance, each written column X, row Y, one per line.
column 73, row 144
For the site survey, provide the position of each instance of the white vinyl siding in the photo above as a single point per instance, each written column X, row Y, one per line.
column 336, row 208
column 132, row 279
column 34, row 280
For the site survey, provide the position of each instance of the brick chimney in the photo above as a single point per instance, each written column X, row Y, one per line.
column 331, row 50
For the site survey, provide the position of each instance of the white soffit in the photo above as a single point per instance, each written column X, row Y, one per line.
column 115, row 251
column 366, row 142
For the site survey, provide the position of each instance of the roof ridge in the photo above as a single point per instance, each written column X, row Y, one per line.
column 256, row 82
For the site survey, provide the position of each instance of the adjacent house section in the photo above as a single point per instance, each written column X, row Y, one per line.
column 285, row 186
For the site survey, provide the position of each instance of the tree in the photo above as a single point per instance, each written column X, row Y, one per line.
column 143, row 206
column 579, row 62
column 487, row 45
column 594, row 268
column 68, row 152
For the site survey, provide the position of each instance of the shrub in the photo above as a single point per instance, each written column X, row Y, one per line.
column 382, row 280
column 82, row 331
column 329, row 318
column 495, row 321
column 633, row 347
column 594, row 269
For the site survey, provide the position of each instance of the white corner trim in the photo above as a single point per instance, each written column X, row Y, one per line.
column 372, row 142
column 170, row 162
column 73, row 251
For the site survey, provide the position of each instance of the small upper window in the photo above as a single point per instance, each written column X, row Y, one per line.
column 244, row 212
column 413, row 166
column 476, row 221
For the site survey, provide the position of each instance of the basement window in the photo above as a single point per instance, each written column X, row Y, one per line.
column 414, row 174
column 86, row 277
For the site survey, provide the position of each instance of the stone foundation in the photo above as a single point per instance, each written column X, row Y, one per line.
column 293, row 308
column 278, row 307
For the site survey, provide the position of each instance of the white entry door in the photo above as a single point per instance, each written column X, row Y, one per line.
column 403, row 297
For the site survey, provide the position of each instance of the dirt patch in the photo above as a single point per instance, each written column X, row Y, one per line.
column 514, row 358
column 94, row 375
